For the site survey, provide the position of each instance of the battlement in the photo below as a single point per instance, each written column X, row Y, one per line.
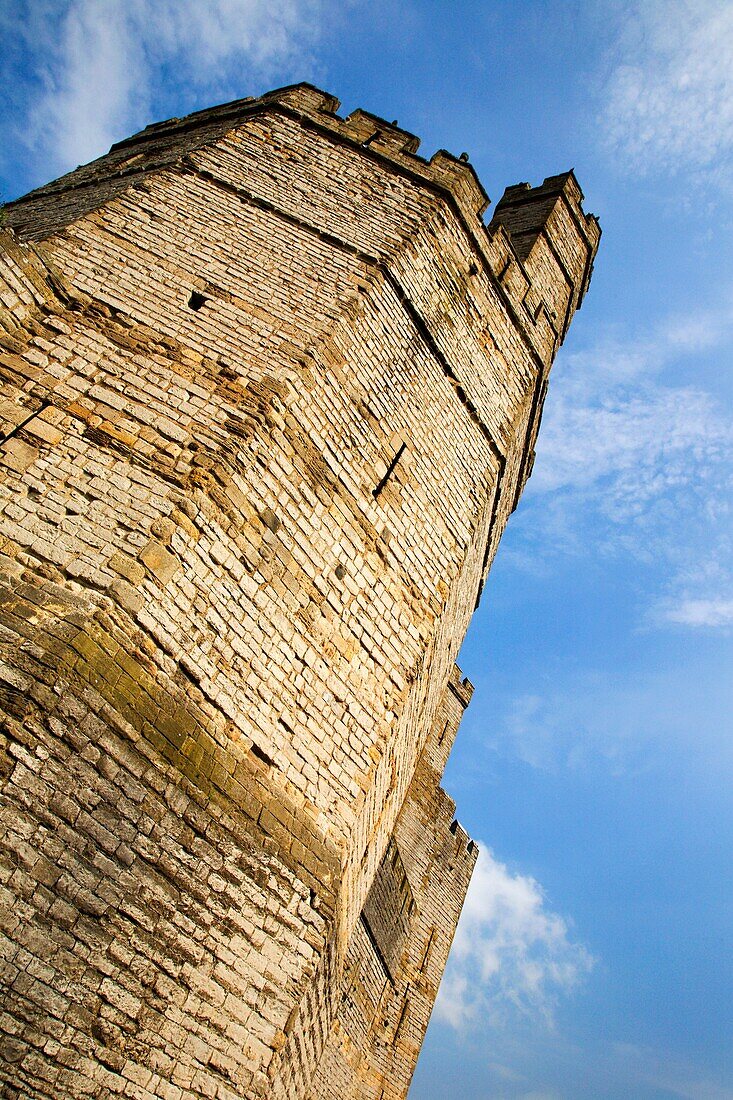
column 502, row 248
column 461, row 686
column 463, row 840
column 152, row 148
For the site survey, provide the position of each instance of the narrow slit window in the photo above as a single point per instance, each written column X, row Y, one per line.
column 22, row 424
column 390, row 470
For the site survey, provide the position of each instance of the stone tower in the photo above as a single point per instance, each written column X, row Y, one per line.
column 270, row 393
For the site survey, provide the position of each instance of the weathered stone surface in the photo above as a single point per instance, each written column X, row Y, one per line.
column 270, row 393
column 161, row 564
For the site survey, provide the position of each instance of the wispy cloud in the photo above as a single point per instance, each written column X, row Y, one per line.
column 631, row 464
column 610, row 417
column 668, row 1072
column 700, row 596
column 702, row 612
column 511, row 955
column 94, row 70
column 613, row 722
column 556, row 729
column 669, row 99
column 595, row 725
column 638, row 441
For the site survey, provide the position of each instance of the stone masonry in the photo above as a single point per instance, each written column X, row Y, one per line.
column 270, row 392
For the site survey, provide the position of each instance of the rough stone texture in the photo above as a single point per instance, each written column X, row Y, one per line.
column 400, row 944
column 270, row 393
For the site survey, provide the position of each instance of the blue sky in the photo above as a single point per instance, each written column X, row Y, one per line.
column 595, row 765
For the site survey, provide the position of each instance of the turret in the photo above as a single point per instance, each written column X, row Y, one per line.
column 554, row 238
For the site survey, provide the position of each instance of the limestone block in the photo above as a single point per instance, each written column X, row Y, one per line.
column 159, row 561
column 17, row 455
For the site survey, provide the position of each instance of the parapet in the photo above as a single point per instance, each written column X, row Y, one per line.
column 461, row 686
column 464, row 844
column 504, row 246
column 165, row 142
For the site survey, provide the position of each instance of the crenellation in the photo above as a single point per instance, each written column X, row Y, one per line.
column 385, row 137
column 449, row 174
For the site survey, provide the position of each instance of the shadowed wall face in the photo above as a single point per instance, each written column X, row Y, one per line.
column 269, row 393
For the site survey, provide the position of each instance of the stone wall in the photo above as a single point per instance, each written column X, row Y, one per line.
column 269, row 392
column 400, row 944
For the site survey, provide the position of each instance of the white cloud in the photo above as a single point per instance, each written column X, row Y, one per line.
column 100, row 66
column 669, row 99
column 511, row 954
column 617, row 722
column 631, row 465
column 639, row 442
column 668, row 1072
column 593, row 724
column 609, row 419
column 695, row 611
column 700, row 596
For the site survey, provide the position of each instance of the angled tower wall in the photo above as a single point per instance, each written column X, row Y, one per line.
column 270, row 391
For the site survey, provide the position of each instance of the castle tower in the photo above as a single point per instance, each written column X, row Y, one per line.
column 270, row 393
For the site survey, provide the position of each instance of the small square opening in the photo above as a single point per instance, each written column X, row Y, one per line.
column 197, row 300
